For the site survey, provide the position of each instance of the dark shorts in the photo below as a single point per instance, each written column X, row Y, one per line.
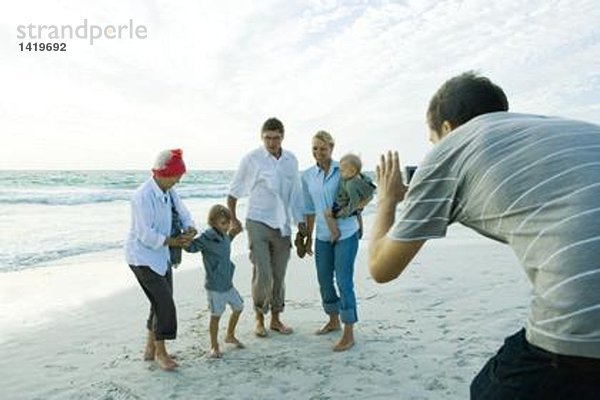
column 521, row 370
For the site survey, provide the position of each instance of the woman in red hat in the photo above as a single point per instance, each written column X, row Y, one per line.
column 147, row 249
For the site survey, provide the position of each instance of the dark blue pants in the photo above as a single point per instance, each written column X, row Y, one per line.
column 522, row 371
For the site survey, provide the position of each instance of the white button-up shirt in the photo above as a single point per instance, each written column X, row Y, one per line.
column 273, row 186
column 151, row 224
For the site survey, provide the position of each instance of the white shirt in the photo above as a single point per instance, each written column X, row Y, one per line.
column 151, row 225
column 273, row 186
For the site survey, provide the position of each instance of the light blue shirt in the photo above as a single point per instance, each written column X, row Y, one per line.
column 151, row 225
column 320, row 192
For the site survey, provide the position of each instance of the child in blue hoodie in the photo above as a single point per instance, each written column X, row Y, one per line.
column 215, row 245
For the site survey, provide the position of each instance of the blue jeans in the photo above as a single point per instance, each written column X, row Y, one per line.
column 336, row 260
column 521, row 370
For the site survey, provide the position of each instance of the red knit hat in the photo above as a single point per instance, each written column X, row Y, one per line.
column 173, row 167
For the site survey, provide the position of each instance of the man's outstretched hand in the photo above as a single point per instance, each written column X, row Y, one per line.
column 390, row 188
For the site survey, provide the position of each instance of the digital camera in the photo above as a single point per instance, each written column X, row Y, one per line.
column 409, row 171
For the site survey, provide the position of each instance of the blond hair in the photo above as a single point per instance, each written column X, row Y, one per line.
column 325, row 137
column 353, row 160
column 217, row 212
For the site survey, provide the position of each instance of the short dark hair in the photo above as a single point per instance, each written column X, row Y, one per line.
column 462, row 98
column 273, row 124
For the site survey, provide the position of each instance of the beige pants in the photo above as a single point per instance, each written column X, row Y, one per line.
column 269, row 254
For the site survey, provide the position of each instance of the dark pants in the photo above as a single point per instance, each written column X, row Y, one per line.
column 159, row 290
column 522, row 371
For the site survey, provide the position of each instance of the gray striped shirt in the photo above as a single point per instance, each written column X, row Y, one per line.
column 533, row 183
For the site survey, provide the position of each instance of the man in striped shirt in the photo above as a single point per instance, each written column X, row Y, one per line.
column 533, row 183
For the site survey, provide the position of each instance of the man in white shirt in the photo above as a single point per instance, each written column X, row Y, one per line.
column 269, row 176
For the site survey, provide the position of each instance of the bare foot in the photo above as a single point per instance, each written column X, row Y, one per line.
column 279, row 326
column 165, row 362
column 328, row 327
column 214, row 353
column 343, row 344
column 259, row 330
column 234, row 341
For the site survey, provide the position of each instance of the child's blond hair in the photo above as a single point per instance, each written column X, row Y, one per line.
column 217, row 212
column 353, row 160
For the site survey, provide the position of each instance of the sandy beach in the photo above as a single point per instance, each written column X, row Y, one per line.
column 76, row 331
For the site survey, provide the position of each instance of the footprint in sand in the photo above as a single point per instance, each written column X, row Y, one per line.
column 62, row 368
column 112, row 391
column 435, row 384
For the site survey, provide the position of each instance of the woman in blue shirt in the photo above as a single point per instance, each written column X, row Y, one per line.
column 320, row 185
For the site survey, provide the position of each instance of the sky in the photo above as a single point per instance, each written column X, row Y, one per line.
column 209, row 73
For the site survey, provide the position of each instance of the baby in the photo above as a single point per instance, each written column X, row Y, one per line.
column 354, row 192
column 215, row 245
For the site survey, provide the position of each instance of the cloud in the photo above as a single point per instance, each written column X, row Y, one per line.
column 210, row 72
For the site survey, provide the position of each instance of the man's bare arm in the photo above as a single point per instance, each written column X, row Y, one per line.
column 232, row 206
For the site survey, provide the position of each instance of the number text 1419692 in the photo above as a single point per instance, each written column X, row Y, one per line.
column 34, row 46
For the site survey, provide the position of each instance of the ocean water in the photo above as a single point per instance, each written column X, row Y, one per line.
column 49, row 216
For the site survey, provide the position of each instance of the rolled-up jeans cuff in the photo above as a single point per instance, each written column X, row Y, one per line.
column 332, row 308
column 349, row 316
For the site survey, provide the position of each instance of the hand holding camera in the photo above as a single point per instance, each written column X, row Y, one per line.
column 389, row 179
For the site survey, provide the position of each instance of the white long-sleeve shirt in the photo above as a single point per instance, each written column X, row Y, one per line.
column 273, row 186
column 151, row 224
